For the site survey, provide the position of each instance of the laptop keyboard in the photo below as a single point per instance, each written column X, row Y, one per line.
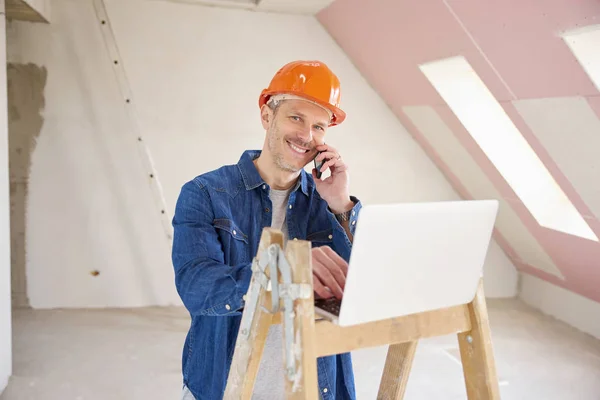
column 331, row 305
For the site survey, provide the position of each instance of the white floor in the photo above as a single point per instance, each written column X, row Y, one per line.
column 135, row 354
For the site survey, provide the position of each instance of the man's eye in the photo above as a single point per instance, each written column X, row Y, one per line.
column 319, row 127
column 295, row 118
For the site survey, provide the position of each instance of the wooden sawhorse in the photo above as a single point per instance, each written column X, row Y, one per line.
column 308, row 339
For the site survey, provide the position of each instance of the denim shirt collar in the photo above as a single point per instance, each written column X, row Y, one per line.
column 252, row 178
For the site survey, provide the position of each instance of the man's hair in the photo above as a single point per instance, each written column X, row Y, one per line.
column 274, row 105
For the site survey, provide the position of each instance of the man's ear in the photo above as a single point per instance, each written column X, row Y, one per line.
column 266, row 116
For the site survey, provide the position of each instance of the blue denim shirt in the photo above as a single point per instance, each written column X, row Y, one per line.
column 218, row 222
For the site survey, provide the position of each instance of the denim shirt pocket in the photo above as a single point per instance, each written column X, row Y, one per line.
column 234, row 241
column 321, row 238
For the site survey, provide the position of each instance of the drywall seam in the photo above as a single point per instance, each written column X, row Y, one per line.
column 123, row 83
column 479, row 50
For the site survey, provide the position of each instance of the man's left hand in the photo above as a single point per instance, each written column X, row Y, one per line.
column 335, row 190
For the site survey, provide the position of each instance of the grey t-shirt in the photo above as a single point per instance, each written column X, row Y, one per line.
column 279, row 200
column 269, row 383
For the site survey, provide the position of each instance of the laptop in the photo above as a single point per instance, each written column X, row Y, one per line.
column 413, row 257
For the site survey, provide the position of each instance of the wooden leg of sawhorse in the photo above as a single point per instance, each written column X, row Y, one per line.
column 255, row 348
column 479, row 368
column 305, row 386
column 396, row 371
column 477, row 354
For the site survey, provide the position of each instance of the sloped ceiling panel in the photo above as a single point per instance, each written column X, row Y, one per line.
column 387, row 40
column 520, row 38
column 516, row 48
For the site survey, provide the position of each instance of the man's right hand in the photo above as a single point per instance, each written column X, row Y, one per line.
column 329, row 272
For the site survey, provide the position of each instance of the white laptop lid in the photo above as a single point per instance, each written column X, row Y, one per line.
column 410, row 258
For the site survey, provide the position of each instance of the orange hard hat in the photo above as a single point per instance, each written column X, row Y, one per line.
column 311, row 80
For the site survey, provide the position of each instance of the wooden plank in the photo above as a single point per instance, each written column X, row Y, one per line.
column 334, row 339
column 248, row 352
column 396, row 371
column 304, row 385
column 259, row 338
column 20, row 10
column 476, row 352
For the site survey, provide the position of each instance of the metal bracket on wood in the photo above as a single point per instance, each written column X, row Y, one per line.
column 274, row 258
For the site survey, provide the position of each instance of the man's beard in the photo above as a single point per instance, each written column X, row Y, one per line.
column 278, row 157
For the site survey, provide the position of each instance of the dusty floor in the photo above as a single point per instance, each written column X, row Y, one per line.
column 135, row 354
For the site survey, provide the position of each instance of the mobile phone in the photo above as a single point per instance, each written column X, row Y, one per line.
column 318, row 165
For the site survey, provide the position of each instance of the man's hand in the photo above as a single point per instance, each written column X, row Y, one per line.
column 329, row 271
column 335, row 190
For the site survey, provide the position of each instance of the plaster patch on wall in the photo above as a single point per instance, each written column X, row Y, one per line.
column 25, row 87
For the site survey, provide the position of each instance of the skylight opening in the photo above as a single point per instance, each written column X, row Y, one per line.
column 585, row 45
column 485, row 120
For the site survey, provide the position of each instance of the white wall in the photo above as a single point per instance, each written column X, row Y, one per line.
column 565, row 305
column 5, row 295
column 195, row 75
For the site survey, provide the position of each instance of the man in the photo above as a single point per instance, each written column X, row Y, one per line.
column 220, row 216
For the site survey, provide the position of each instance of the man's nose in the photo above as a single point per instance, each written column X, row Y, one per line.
column 305, row 134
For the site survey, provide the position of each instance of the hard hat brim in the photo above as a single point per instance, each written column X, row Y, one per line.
column 338, row 114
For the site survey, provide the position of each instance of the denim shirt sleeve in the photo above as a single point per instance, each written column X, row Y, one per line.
column 341, row 243
column 206, row 285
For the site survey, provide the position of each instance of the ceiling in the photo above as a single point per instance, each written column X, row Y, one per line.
column 25, row 10
column 516, row 49
column 309, row 7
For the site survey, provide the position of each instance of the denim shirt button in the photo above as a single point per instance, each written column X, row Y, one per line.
column 325, row 390
column 227, row 307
